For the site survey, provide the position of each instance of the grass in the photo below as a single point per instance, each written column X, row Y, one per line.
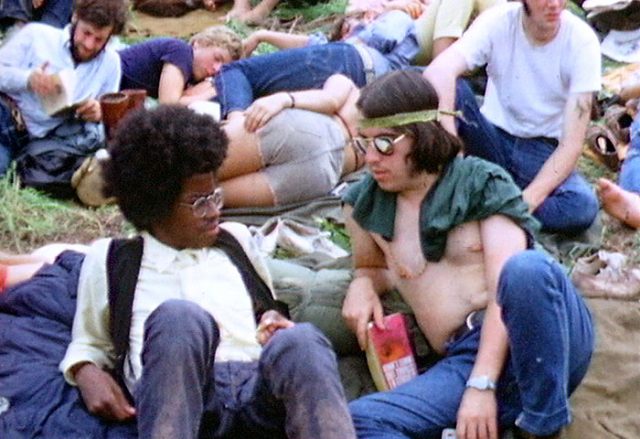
column 29, row 219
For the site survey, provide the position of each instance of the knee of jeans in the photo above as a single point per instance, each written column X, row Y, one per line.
column 524, row 279
column 303, row 337
column 365, row 414
column 590, row 208
column 180, row 318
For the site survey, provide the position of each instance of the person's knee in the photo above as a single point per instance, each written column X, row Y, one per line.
column 589, row 207
column 525, row 278
column 181, row 319
column 300, row 336
column 302, row 342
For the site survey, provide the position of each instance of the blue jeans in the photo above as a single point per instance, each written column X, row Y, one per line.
column 182, row 393
column 551, row 341
column 240, row 82
column 11, row 141
column 629, row 177
column 55, row 13
column 570, row 208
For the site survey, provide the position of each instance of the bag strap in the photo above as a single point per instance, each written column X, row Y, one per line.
column 123, row 267
column 261, row 295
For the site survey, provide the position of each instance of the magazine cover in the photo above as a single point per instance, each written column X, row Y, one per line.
column 389, row 353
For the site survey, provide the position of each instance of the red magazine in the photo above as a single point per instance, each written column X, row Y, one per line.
column 389, row 353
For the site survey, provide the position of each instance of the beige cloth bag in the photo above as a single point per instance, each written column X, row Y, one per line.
column 88, row 181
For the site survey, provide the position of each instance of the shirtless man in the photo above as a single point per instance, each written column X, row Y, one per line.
column 454, row 237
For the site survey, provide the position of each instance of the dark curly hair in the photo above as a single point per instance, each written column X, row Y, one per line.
column 405, row 91
column 153, row 153
column 102, row 13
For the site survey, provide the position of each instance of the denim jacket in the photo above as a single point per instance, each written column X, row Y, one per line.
column 391, row 40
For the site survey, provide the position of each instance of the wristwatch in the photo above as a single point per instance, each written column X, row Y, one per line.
column 482, row 382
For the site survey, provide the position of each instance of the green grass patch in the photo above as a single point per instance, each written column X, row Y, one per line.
column 309, row 12
column 30, row 219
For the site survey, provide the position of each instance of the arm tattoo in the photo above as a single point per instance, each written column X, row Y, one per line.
column 583, row 106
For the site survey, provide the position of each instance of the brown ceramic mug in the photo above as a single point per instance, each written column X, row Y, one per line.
column 113, row 106
column 136, row 97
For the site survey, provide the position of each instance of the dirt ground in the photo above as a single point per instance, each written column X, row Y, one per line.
column 143, row 25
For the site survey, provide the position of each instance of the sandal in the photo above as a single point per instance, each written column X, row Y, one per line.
column 603, row 146
column 619, row 122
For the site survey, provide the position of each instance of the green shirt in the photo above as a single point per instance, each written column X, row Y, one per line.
column 470, row 189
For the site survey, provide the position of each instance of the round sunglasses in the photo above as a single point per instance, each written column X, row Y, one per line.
column 384, row 144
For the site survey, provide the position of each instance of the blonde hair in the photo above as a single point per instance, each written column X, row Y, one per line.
column 219, row 36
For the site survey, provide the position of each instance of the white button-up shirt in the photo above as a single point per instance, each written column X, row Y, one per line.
column 205, row 276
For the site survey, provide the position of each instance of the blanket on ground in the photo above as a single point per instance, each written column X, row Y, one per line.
column 35, row 329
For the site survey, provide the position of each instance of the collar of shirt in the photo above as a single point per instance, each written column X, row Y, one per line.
column 163, row 257
column 66, row 38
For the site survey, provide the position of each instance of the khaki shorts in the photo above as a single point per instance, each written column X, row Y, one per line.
column 302, row 154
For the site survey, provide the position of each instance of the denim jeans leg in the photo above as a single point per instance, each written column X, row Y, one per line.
column 629, row 178
column 240, row 82
column 480, row 137
column 298, row 372
column 572, row 206
column 180, row 339
column 11, row 142
column 16, row 9
column 424, row 406
column 56, row 13
column 551, row 338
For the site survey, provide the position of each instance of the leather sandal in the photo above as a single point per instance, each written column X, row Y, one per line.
column 603, row 146
column 618, row 120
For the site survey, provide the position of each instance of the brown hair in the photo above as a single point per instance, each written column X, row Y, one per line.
column 406, row 91
column 103, row 13
column 219, row 36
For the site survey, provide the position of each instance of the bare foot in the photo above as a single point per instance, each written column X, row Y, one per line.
column 209, row 5
column 239, row 9
column 253, row 17
column 259, row 13
column 620, row 203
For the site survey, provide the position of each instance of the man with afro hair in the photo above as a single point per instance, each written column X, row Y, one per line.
column 208, row 350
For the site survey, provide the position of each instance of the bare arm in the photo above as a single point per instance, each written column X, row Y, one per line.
column 328, row 100
column 443, row 73
column 563, row 160
column 172, row 84
column 370, row 281
column 501, row 239
column 202, row 91
column 442, row 44
column 281, row 40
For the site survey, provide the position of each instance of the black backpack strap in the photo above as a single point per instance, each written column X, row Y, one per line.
column 261, row 296
column 123, row 266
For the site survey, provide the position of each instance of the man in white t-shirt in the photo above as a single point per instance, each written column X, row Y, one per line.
column 543, row 65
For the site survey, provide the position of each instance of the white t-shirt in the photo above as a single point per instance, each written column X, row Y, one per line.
column 529, row 84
